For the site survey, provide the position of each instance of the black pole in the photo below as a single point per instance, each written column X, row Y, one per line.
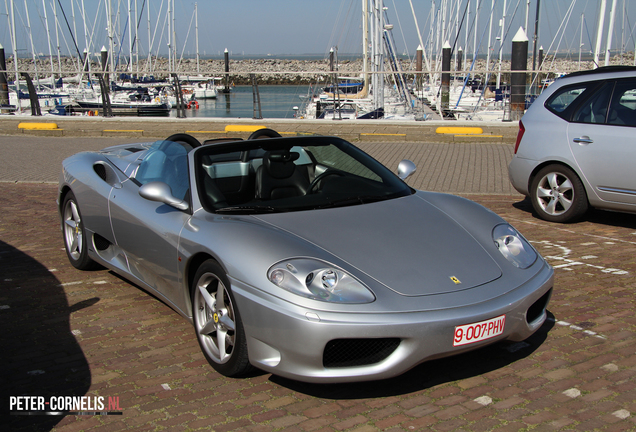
column 446, row 67
column 518, row 62
column 105, row 66
column 4, row 88
column 256, row 99
column 418, row 66
column 227, row 71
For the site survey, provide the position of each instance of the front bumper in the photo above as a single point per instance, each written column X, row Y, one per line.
column 289, row 340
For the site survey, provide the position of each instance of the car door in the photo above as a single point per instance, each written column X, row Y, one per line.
column 148, row 231
column 602, row 138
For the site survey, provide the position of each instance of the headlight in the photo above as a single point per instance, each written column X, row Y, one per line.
column 318, row 280
column 513, row 246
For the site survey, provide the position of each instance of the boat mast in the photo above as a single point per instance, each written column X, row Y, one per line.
column 501, row 41
column 15, row 58
column 581, row 39
column 196, row 33
column 492, row 10
column 534, row 39
column 174, row 38
column 475, row 53
column 48, row 37
column 419, row 35
column 377, row 54
column 86, row 46
column 466, row 36
column 57, row 39
column 111, row 53
column 169, row 36
column 130, row 30
column 599, row 33
column 137, row 20
column 610, row 32
column 365, row 44
column 35, row 63
column 149, row 63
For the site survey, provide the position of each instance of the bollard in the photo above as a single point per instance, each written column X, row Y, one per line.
column 105, row 67
column 4, row 88
column 446, row 67
column 419, row 54
column 519, row 62
column 226, row 55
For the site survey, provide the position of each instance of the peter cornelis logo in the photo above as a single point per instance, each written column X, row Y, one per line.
column 64, row 405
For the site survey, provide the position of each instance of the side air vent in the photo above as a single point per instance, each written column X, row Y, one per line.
column 100, row 170
column 107, row 173
column 101, row 244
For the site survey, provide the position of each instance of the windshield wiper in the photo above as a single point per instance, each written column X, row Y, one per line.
column 248, row 209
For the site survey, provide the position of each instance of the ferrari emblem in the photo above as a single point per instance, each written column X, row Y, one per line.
column 454, row 279
column 216, row 318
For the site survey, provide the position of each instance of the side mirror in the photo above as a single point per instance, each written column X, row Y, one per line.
column 405, row 169
column 161, row 192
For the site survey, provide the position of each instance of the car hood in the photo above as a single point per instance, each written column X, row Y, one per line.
column 407, row 244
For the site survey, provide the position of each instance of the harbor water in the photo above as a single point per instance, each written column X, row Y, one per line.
column 277, row 101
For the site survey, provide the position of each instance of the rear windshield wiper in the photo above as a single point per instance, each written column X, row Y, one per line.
column 248, row 209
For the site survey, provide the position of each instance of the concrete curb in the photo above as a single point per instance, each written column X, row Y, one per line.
column 356, row 130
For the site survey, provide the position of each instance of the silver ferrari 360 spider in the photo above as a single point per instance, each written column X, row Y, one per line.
column 302, row 256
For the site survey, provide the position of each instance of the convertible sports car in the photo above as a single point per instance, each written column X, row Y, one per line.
column 302, row 256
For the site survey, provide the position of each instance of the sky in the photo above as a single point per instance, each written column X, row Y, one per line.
column 280, row 28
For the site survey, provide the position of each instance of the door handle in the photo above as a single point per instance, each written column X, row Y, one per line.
column 583, row 140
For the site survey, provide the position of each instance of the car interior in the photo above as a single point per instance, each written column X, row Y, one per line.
column 281, row 175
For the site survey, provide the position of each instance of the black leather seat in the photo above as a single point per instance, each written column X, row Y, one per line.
column 279, row 177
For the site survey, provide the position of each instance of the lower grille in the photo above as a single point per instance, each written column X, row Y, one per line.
column 538, row 307
column 357, row 352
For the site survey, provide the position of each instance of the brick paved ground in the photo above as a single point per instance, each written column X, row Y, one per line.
column 66, row 332
column 443, row 167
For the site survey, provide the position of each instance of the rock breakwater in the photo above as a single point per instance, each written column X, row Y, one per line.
column 279, row 71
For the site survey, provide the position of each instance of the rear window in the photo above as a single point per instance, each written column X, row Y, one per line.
column 563, row 98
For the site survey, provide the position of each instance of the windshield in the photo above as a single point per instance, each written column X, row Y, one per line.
column 291, row 174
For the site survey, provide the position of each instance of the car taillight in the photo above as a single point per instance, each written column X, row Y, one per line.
column 519, row 136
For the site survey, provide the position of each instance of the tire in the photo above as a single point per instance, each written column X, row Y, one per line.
column 558, row 195
column 264, row 133
column 74, row 232
column 185, row 138
column 217, row 322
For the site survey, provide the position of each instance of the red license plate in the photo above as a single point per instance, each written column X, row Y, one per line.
column 476, row 332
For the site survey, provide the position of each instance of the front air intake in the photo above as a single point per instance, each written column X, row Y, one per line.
column 341, row 353
column 536, row 310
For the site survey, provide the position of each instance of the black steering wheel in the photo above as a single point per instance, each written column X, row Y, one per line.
column 321, row 177
column 264, row 133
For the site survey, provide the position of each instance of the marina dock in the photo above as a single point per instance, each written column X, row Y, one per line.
column 209, row 128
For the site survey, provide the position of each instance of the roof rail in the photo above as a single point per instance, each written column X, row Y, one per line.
column 603, row 69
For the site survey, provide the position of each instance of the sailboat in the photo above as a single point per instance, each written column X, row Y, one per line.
column 364, row 97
